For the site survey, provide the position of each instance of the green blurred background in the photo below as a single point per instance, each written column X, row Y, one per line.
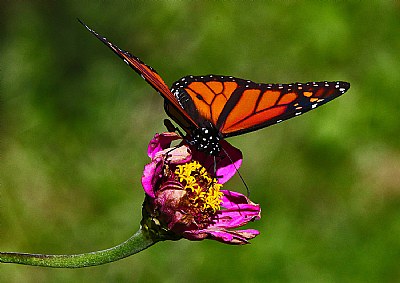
column 75, row 123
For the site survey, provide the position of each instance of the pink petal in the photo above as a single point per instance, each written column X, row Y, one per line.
column 176, row 155
column 238, row 211
column 151, row 174
column 160, row 142
column 227, row 163
column 225, row 167
column 232, row 199
column 234, row 237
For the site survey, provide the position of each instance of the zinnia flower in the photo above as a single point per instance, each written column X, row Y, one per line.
column 184, row 200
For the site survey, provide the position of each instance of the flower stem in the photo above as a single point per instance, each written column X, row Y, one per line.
column 138, row 242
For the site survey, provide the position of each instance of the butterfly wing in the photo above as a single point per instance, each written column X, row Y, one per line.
column 148, row 73
column 232, row 105
column 236, row 106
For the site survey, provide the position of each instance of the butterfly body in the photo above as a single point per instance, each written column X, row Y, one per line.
column 213, row 107
column 206, row 139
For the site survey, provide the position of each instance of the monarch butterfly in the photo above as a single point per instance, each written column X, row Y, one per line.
column 210, row 108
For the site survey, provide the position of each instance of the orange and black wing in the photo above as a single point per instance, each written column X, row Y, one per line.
column 236, row 106
column 146, row 72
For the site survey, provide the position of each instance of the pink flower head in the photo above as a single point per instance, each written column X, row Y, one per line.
column 183, row 200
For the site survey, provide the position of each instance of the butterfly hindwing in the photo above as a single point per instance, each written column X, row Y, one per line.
column 204, row 97
column 236, row 106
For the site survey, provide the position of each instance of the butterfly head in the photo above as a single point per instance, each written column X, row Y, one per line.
column 206, row 139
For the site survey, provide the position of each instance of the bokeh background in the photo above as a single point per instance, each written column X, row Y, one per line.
column 75, row 123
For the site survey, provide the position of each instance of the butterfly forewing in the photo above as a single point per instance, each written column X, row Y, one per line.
column 146, row 72
column 236, row 106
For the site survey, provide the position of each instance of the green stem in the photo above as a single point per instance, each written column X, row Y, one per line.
column 134, row 244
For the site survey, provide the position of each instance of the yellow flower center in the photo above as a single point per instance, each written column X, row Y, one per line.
column 203, row 191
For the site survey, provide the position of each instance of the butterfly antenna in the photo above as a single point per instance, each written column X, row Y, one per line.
column 237, row 170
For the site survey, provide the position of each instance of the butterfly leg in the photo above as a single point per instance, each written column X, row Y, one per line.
column 215, row 167
column 171, row 128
